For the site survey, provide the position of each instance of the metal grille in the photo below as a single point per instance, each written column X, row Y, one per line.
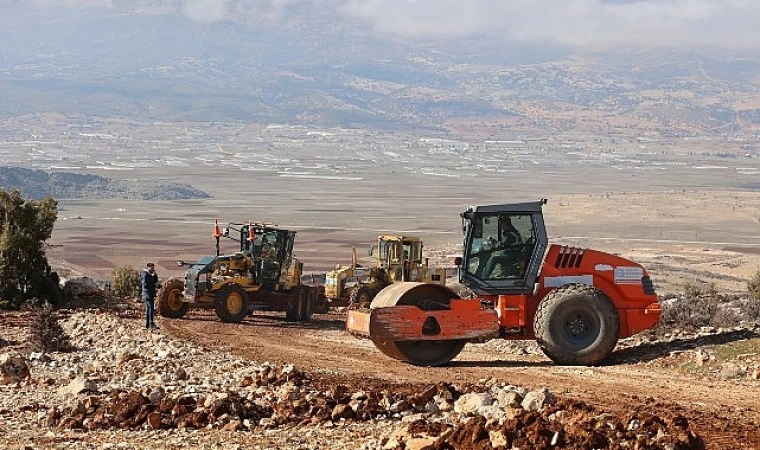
column 569, row 257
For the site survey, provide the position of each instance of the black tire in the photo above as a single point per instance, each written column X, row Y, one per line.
column 170, row 302
column 294, row 311
column 231, row 303
column 321, row 304
column 361, row 295
column 308, row 303
column 577, row 325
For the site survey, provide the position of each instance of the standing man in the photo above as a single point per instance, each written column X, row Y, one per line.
column 149, row 283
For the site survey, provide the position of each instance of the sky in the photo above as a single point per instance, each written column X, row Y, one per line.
column 596, row 24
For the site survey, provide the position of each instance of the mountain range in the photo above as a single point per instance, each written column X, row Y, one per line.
column 308, row 68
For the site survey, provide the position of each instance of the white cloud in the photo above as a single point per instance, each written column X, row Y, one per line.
column 597, row 23
column 575, row 23
column 207, row 10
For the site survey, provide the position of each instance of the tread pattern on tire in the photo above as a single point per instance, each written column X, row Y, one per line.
column 600, row 349
column 163, row 296
column 356, row 293
column 221, row 301
column 294, row 309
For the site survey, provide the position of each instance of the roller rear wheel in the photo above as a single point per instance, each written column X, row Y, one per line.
column 577, row 324
column 427, row 297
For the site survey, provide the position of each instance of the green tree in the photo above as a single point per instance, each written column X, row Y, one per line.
column 25, row 226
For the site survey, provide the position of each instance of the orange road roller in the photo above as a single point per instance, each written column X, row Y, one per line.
column 575, row 302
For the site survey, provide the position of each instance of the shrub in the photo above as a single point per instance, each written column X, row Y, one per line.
column 45, row 333
column 126, row 282
column 753, row 287
column 699, row 306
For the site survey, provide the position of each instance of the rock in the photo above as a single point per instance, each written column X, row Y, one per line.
column 469, row 404
column 432, row 407
column 558, row 416
column 397, row 438
column 288, row 392
column 493, row 411
column 156, row 395
column 701, row 357
column 730, row 371
column 445, row 406
column 342, row 411
column 555, row 439
column 756, row 374
column 78, row 385
column 180, row 374
column 38, row 356
column 154, row 420
column 497, row 438
column 246, row 381
column 536, row 400
column 126, row 357
column 421, row 443
column 13, row 368
column 235, row 425
column 507, row 398
column 80, row 287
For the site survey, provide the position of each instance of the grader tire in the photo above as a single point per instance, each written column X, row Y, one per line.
column 231, row 303
column 361, row 296
column 577, row 325
column 170, row 302
column 294, row 311
column 308, row 299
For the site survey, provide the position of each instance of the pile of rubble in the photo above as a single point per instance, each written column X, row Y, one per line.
column 121, row 377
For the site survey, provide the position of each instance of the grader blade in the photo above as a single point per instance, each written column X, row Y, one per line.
column 421, row 323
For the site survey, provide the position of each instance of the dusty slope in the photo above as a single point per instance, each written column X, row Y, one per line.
column 725, row 412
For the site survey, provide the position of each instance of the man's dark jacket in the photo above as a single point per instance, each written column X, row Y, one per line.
column 148, row 281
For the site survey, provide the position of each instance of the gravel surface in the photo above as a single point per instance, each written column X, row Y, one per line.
column 125, row 387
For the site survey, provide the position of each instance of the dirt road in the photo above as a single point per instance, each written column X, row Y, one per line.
column 726, row 413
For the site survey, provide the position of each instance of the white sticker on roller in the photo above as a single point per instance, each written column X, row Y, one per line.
column 603, row 268
column 628, row 275
column 551, row 282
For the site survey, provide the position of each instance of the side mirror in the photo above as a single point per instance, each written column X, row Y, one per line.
column 226, row 232
column 458, row 261
column 180, row 263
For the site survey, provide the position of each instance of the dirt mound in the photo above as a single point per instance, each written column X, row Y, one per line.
column 567, row 424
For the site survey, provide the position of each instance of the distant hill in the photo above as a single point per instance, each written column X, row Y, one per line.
column 308, row 68
column 38, row 184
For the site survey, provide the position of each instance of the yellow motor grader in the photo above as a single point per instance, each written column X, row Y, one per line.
column 397, row 258
column 262, row 275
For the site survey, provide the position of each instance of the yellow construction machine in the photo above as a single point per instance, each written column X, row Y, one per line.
column 397, row 258
column 262, row 275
